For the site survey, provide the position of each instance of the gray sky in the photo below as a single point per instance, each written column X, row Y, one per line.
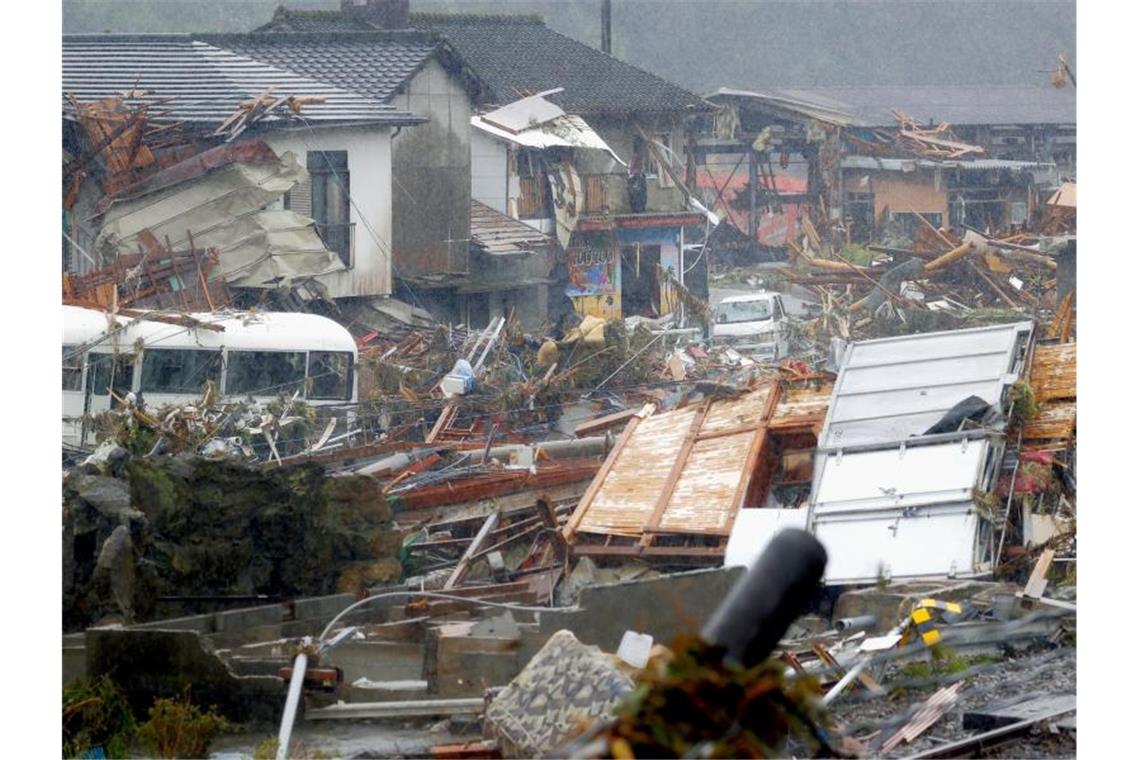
column 737, row 43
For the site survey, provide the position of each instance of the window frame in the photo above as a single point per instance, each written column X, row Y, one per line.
column 216, row 377
column 348, row 379
column 277, row 390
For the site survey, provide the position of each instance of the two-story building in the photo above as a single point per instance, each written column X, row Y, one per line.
column 631, row 220
column 312, row 138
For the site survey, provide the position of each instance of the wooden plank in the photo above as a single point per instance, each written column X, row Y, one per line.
column 606, row 422
column 599, row 478
column 675, row 473
column 754, row 451
column 1035, row 586
column 476, row 544
column 422, row 708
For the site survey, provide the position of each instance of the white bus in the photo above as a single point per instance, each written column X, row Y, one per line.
column 258, row 356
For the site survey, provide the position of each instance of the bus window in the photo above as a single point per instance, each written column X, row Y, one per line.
column 264, row 373
column 174, row 370
column 110, row 372
column 72, row 368
column 330, row 375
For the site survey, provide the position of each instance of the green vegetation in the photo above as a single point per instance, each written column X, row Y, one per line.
column 859, row 255
column 177, row 728
column 96, row 714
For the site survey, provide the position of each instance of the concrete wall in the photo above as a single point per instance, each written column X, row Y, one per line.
column 431, row 162
column 370, row 187
column 489, row 171
column 662, row 607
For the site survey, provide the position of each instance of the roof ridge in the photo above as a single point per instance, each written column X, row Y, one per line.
column 424, row 36
column 613, row 57
column 532, row 19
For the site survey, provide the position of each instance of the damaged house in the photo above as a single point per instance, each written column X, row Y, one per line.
column 982, row 157
column 173, row 139
column 601, row 168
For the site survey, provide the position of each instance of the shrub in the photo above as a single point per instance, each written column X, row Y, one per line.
column 177, row 728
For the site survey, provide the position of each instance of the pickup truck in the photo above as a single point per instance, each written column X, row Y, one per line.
column 755, row 324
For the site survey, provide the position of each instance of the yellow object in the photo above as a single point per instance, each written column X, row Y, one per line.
column 548, row 353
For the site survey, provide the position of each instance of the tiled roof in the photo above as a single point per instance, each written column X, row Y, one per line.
column 206, row 83
column 499, row 234
column 519, row 55
column 374, row 64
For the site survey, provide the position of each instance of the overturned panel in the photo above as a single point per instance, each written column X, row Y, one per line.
column 627, row 497
column 900, row 477
column 891, row 389
column 704, row 499
column 924, row 542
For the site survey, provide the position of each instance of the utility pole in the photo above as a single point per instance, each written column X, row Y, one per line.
column 606, row 46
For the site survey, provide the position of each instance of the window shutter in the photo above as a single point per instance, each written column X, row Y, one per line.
column 301, row 197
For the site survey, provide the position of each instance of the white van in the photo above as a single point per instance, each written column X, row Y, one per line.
column 755, row 324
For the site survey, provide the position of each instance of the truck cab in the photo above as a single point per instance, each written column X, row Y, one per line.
column 755, row 324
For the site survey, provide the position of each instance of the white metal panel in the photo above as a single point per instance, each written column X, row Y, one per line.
column 489, row 171
column 930, row 542
column 890, row 478
column 754, row 528
column 893, row 388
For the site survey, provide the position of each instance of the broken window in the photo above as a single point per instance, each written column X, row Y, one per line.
column 328, row 172
column 264, row 373
column 330, row 375
column 170, row 370
column 72, row 368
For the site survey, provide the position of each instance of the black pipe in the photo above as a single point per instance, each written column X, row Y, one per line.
column 760, row 607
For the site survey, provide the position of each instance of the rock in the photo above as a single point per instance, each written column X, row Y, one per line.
column 110, row 496
column 115, row 570
column 106, row 459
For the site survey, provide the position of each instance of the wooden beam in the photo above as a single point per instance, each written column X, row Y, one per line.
column 599, row 424
column 949, row 257
column 476, row 544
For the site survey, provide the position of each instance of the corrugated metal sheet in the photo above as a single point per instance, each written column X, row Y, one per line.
column 893, row 388
column 910, row 164
column 206, row 83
